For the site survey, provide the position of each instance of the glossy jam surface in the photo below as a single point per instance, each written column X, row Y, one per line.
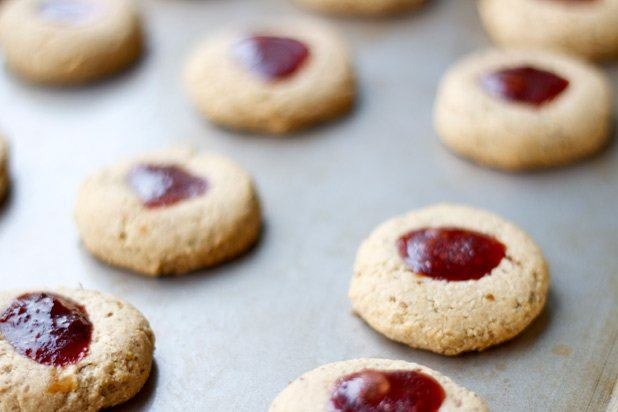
column 47, row 328
column 270, row 57
column 450, row 253
column 386, row 391
column 159, row 185
column 524, row 84
column 67, row 11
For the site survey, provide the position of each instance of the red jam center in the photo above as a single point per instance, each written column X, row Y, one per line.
column 158, row 185
column 272, row 58
column 66, row 11
column 47, row 328
column 525, row 85
column 450, row 254
column 382, row 391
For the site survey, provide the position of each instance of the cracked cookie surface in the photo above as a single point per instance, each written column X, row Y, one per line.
column 193, row 233
column 116, row 366
column 438, row 315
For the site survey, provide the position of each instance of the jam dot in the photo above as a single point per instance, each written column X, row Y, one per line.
column 385, row 391
column 525, row 85
column 158, row 185
column 272, row 58
column 67, row 11
column 450, row 254
column 47, row 328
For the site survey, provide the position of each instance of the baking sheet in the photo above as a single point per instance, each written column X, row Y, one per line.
column 230, row 338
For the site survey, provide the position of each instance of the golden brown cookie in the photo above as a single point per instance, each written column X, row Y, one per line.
column 64, row 42
column 523, row 109
column 70, row 350
column 361, row 7
column 275, row 79
column 449, row 279
column 392, row 384
column 169, row 212
column 585, row 28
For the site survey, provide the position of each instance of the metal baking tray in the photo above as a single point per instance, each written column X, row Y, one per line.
column 230, row 338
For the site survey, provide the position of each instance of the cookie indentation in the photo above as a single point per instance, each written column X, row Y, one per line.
column 450, row 254
column 158, row 185
column 524, row 84
column 271, row 57
column 375, row 391
column 47, row 328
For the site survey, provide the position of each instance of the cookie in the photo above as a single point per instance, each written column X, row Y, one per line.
column 70, row 350
column 169, row 212
column 361, row 7
column 584, row 28
column 275, row 79
column 63, row 42
column 449, row 279
column 4, row 168
column 375, row 384
column 523, row 109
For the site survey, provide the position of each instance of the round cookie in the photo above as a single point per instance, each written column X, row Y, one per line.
column 406, row 283
column 523, row 109
column 100, row 356
column 63, row 42
column 313, row 391
column 585, row 28
column 169, row 212
column 4, row 168
column 361, row 7
column 276, row 79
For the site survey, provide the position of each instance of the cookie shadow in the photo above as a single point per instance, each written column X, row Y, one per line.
column 121, row 274
column 386, row 18
column 117, row 78
column 321, row 129
column 603, row 157
column 223, row 267
column 7, row 201
column 521, row 343
column 528, row 338
column 143, row 399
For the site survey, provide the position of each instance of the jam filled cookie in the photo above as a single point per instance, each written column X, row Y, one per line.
column 588, row 28
column 361, row 7
column 521, row 109
column 170, row 212
column 449, row 279
column 4, row 168
column 63, row 42
column 70, row 350
column 273, row 80
column 374, row 385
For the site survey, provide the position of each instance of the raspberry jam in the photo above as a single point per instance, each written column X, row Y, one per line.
column 158, row 185
column 47, row 328
column 524, row 84
column 450, row 254
column 386, row 391
column 270, row 57
column 66, row 11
